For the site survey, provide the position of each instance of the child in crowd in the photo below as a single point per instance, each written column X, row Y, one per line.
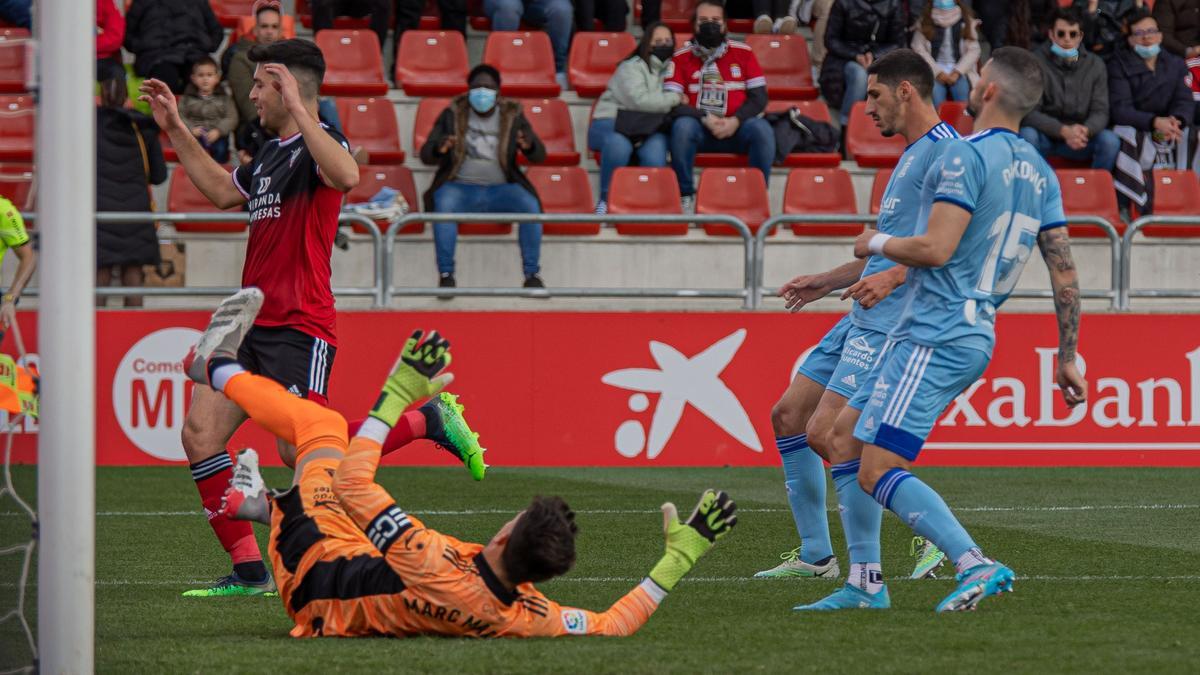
column 208, row 110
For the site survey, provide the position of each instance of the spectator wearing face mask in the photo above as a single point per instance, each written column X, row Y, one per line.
column 947, row 38
column 474, row 144
column 636, row 88
column 1151, row 107
column 1072, row 119
column 726, row 91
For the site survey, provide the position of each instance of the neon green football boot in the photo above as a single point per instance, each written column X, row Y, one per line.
column 929, row 558
column 446, row 426
column 233, row 585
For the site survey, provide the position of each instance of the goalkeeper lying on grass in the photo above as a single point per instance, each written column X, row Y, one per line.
column 349, row 561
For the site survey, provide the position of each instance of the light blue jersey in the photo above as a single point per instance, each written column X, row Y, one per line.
column 1012, row 195
column 898, row 213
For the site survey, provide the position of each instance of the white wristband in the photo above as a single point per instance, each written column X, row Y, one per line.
column 875, row 245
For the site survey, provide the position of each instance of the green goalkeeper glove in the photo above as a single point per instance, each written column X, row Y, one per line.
column 713, row 518
column 416, row 375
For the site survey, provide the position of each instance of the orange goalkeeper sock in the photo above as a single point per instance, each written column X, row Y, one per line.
column 304, row 424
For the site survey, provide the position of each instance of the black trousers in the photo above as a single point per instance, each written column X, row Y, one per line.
column 453, row 14
column 611, row 14
column 379, row 11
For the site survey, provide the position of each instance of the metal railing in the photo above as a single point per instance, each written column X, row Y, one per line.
column 376, row 292
column 1113, row 294
column 754, row 245
column 694, row 222
column 1127, row 260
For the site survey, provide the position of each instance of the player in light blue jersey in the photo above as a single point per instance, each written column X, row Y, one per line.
column 898, row 98
column 987, row 200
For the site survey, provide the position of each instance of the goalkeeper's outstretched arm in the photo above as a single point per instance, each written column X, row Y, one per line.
column 714, row 516
column 418, row 374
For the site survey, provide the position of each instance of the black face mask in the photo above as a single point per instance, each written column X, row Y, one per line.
column 663, row 52
column 709, row 35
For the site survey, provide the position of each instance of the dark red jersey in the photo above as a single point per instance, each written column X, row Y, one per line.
column 293, row 220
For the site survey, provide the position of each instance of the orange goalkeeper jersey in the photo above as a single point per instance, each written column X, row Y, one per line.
column 359, row 565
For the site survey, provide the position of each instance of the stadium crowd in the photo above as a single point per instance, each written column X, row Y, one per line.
column 1122, row 81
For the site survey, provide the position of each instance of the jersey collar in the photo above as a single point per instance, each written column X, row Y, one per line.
column 938, row 132
column 989, row 132
column 492, row 581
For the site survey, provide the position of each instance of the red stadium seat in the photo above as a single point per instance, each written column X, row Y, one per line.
column 245, row 28
column 427, row 113
column 431, row 18
column 955, row 114
column 1176, row 193
column 305, row 13
column 16, row 128
column 1089, row 192
column 12, row 59
column 784, row 60
column 525, row 61
column 17, row 185
column 371, row 123
column 653, row 191
column 432, row 63
column 677, row 14
column 353, row 63
column 878, row 187
column 372, row 178
column 564, row 189
column 551, row 120
column 594, row 57
column 866, row 145
column 184, row 197
column 821, row 191
column 229, row 11
column 741, row 193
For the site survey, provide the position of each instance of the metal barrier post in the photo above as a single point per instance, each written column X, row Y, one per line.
column 610, row 220
column 1127, row 259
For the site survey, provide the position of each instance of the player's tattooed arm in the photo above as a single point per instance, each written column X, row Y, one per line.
column 1055, row 245
column 1056, row 250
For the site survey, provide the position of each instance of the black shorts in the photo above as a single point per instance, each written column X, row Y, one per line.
column 298, row 361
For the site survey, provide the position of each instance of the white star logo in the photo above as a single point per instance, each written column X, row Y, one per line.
column 681, row 381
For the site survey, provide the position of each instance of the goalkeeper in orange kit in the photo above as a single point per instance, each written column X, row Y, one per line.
column 349, row 561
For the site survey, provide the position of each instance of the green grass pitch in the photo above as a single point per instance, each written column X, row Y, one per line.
column 1106, row 558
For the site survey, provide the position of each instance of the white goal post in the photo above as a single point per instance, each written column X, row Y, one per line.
column 66, row 206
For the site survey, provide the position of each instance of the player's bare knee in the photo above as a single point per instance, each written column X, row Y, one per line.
column 198, row 442
column 786, row 420
column 818, row 431
column 868, row 476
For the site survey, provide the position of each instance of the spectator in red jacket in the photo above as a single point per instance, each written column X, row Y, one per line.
column 110, row 33
column 725, row 91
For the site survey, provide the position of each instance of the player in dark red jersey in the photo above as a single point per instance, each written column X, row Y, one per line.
column 294, row 188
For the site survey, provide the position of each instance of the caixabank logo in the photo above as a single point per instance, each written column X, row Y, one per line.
column 151, row 392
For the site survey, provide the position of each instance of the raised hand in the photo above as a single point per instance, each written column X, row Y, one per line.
column 289, row 90
column 162, row 104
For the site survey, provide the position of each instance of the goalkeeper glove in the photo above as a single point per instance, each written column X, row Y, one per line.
column 687, row 541
column 416, row 375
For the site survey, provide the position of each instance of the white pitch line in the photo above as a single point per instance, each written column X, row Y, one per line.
column 483, row 512
column 702, row 580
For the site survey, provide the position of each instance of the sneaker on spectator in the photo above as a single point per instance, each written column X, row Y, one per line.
column 446, row 281
column 601, row 208
column 763, row 24
column 687, row 204
column 786, row 25
column 534, row 281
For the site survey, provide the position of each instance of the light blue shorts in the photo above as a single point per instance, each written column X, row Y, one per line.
column 821, row 363
column 903, row 396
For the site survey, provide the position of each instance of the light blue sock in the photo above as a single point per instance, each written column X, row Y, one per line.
column 925, row 512
column 861, row 515
column 804, row 477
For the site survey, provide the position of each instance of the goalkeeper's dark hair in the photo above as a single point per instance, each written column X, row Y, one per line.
column 542, row 543
column 302, row 58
